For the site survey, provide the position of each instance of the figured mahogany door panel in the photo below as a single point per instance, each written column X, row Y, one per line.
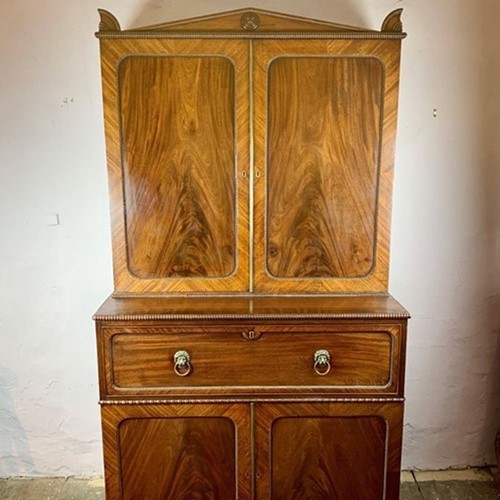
column 325, row 120
column 328, row 451
column 178, row 458
column 322, row 458
column 142, row 361
column 323, row 145
column 177, row 452
column 177, row 141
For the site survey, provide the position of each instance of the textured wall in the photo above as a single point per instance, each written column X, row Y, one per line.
column 55, row 247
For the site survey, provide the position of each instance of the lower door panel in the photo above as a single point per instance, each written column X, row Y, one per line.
column 177, row 452
column 332, row 451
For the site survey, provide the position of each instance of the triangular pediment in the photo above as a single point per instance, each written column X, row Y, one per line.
column 250, row 20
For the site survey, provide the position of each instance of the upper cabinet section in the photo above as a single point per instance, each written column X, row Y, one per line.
column 250, row 151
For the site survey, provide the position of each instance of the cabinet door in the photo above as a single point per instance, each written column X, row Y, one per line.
column 334, row 451
column 177, row 451
column 325, row 123
column 176, row 115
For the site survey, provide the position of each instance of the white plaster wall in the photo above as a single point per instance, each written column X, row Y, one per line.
column 55, row 243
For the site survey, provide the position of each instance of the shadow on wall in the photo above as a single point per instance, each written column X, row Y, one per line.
column 158, row 11
column 16, row 456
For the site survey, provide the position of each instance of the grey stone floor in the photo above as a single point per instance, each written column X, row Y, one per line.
column 470, row 484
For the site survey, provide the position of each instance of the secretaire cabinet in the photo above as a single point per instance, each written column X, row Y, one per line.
column 250, row 349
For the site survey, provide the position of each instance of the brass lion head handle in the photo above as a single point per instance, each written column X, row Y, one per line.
column 322, row 359
column 182, row 363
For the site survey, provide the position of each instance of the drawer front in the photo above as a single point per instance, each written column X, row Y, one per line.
column 141, row 360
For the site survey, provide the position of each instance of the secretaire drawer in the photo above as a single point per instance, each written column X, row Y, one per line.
column 357, row 358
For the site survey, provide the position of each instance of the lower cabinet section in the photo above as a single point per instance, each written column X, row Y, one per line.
column 270, row 450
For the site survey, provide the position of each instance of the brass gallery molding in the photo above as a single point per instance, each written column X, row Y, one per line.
column 245, row 35
column 235, row 400
column 189, row 317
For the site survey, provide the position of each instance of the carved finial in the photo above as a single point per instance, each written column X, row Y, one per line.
column 108, row 22
column 392, row 23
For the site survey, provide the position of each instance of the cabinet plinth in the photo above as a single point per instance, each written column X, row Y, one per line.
column 250, row 349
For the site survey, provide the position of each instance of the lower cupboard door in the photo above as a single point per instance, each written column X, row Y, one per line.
column 177, row 452
column 328, row 451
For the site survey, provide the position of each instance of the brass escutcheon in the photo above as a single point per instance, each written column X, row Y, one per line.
column 251, row 335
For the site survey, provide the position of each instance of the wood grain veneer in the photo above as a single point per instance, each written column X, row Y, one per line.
column 497, row 453
column 266, row 21
column 323, row 147
column 250, row 307
column 335, row 240
column 181, row 451
column 178, row 458
column 309, row 474
column 178, row 138
column 324, row 226
column 328, row 451
column 179, row 199
column 139, row 360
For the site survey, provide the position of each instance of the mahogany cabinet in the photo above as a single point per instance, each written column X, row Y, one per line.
column 242, row 450
column 250, row 349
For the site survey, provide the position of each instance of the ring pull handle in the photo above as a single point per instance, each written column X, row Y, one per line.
column 182, row 363
column 322, row 360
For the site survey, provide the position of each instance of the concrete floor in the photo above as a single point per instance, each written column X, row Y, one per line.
column 470, row 484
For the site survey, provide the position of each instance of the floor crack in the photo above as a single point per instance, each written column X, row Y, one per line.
column 416, row 482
